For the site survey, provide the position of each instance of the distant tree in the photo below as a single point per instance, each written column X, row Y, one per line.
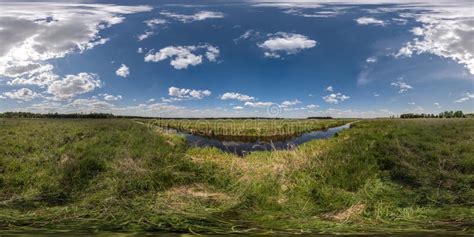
column 445, row 114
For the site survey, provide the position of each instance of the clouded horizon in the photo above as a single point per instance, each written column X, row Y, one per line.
column 363, row 58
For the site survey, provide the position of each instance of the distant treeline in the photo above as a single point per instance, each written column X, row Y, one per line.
column 102, row 116
column 54, row 115
column 327, row 117
column 445, row 114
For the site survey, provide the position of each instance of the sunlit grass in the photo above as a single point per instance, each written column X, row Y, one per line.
column 249, row 128
column 120, row 175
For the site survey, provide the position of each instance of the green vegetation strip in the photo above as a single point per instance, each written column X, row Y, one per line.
column 249, row 128
column 119, row 175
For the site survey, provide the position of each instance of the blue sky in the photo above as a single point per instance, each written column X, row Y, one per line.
column 249, row 58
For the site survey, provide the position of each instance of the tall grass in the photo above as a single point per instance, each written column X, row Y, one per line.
column 380, row 175
column 260, row 128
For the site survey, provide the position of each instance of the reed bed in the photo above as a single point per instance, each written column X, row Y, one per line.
column 249, row 128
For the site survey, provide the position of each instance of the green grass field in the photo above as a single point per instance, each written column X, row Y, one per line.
column 250, row 128
column 121, row 175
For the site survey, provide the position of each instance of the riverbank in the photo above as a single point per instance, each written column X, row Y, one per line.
column 117, row 175
column 248, row 130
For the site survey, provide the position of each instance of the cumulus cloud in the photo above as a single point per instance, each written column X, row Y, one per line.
column 369, row 21
column 236, row 96
column 335, row 98
column 289, row 103
column 123, row 71
column 466, row 97
column 31, row 74
column 288, row 43
column 36, row 32
column 238, row 107
column 402, row 86
column 199, row 16
column 184, row 56
column 311, row 106
column 154, row 22
column 145, row 35
column 258, row 104
column 447, row 30
column 448, row 38
column 97, row 105
column 151, row 23
column 108, row 97
column 72, row 85
column 24, row 94
column 371, row 60
column 182, row 93
column 329, row 88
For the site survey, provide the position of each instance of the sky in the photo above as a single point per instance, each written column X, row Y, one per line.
column 364, row 58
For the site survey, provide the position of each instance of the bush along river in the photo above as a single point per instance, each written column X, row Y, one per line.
column 241, row 147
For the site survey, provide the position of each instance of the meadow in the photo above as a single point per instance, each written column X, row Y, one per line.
column 248, row 129
column 382, row 176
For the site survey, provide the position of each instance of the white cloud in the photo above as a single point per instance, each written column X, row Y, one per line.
column 258, row 104
column 288, row 43
column 329, row 88
column 405, row 51
column 418, row 31
column 200, row 16
column 288, row 103
column 371, row 60
column 145, row 35
column 468, row 96
column 108, row 97
column 151, row 23
column 22, row 94
column 369, row 21
column 402, row 86
column 238, row 107
column 376, row 94
column 92, row 105
column 312, row 106
column 249, row 34
column 123, row 71
column 154, row 22
column 437, row 105
column 300, row 11
column 140, row 50
column 35, row 32
column 335, row 98
column 73, row 85
column 212, row 53
column 31, row 74
column 236, row 96
column 446, row 31
column 183, row 56
column 96, row 105
column 271, row 55
column 188, row 93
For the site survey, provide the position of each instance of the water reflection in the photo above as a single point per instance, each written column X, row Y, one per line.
column 242, row 148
